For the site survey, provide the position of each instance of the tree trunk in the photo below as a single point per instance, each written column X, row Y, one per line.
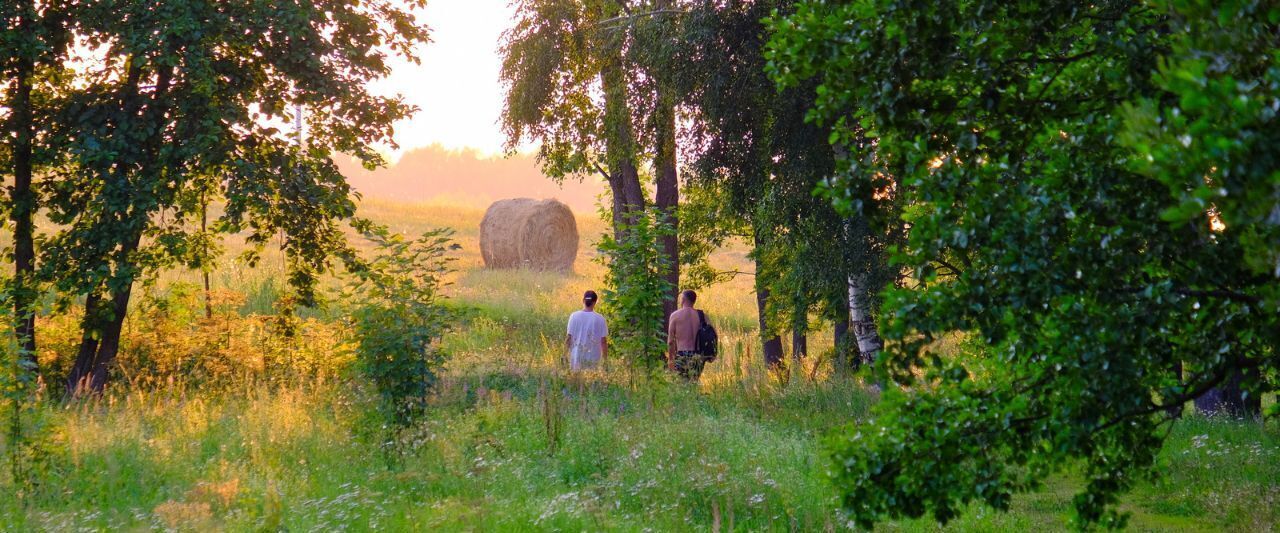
column 668, row 194
column 628, row 196
column 839, row 334
column 100, row 342
column 620, row 152
column 799, row 329
column 665, row 165
column 109, row 347
column 204, row 266
column 799, row 344
column 79, row 379
column 772, row 344
column 1175, row 411
column 1229, row 399
column 208, row 297
column 23, row 204
column 860, row 294
column 864, row 325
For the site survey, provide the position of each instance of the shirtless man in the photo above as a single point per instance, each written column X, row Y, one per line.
column 682, row 339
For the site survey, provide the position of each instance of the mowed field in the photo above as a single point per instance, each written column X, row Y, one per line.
column 511, row 442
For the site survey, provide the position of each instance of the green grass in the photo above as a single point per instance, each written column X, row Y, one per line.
column 513, row 443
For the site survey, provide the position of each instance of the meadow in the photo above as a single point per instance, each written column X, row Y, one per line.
column 216, row 424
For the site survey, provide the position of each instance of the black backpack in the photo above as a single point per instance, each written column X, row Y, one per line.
column 707, row 341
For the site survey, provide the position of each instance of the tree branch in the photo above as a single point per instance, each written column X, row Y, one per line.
column 1055, row 60
column 604, row 173
column 1185, row 397
column 633, row 16
column 1223, row 294
column 954, row 271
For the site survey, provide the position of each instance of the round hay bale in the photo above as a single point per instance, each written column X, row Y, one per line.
column 528, row 233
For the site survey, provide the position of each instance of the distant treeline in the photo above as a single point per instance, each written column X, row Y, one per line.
column 466, row 177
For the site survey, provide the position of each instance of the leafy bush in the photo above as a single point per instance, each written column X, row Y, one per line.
column 635, row 288
column 399, row 320
column 23, row 426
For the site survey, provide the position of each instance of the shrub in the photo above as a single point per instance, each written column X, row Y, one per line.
column 635, row 288
column 21, row 439
column 399, row 319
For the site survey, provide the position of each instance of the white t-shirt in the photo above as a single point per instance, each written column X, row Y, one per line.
column 586, row 328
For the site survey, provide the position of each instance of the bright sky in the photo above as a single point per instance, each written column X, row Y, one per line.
column 456, row 86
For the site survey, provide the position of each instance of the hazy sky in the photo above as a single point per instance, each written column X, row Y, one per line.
column 456, row 86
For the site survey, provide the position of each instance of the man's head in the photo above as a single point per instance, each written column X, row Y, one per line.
column 589, row 299
column 688, row 298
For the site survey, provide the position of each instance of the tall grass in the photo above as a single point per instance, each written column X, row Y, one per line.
column 512, row 441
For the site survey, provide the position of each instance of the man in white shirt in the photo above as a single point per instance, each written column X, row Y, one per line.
column 588, row 336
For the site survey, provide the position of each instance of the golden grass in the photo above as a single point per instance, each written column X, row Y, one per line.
column 742, row 448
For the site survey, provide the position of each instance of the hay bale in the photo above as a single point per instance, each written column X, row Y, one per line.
column 528, row 233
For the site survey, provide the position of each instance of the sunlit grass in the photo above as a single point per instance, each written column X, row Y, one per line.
column 741, row 450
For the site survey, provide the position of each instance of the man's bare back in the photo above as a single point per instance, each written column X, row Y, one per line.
column 682, row 339
column 684, row 329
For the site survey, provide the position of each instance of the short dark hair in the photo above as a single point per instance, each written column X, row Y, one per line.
column 690, row 296
column 589, row 298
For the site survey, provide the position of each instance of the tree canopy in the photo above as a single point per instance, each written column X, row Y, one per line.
column 176, row 104
column 1090, row 195
column 751, row 144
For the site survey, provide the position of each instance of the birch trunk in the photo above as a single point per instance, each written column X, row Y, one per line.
column 863, row 324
